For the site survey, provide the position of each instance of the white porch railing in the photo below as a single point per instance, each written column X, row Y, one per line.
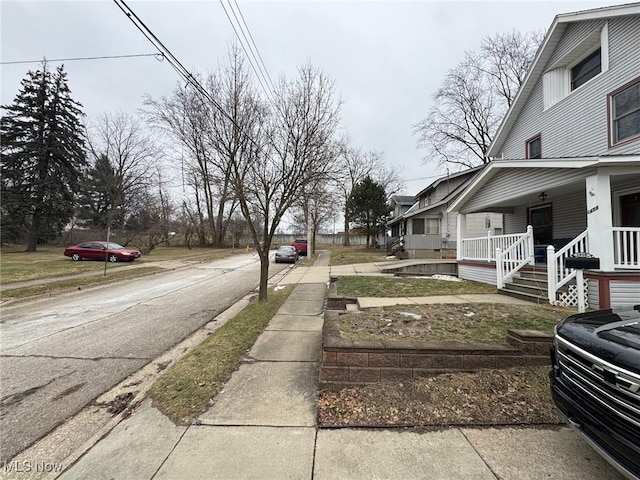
column 484, row 248
column 514, row 257
column 626, row 247
column 557, row 274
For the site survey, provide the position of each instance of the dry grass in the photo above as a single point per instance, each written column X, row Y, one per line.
column 469, row 323
column 362, row 286
column 356, row 254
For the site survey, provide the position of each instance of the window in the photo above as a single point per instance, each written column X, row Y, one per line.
column 534, row 147
column 417, row 227
column 625, row 113
column 433, row 225
column 586, row 69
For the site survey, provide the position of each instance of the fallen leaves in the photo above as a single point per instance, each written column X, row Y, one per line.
column 512, row 396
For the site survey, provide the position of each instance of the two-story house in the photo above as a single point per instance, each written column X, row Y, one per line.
column 426, row 229
column 566, row 169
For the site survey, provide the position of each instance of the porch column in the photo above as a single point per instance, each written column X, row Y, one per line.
column 461, row 227
column 600, row 218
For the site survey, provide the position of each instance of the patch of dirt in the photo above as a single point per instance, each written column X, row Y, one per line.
column 118, row 404
column 513, row 396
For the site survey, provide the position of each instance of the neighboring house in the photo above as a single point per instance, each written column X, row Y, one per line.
column 426, row 230
column 566, row 168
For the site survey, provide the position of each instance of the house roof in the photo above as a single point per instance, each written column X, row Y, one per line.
column 403, row 199
column 539, row 64
column 559, row 163
column 445, row 178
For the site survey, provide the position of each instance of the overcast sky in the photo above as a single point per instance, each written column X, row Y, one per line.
column 387, row 57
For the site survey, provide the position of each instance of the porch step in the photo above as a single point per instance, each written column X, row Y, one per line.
column 522, row 295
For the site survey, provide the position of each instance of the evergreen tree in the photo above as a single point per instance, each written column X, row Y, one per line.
column 43, row 157
column 367, row 206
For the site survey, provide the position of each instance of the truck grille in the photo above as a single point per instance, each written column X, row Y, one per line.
column 614, row 388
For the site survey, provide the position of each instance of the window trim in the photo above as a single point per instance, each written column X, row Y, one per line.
column 610, row 96
column 528, row 141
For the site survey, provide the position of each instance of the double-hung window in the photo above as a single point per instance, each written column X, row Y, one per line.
column 624, row 106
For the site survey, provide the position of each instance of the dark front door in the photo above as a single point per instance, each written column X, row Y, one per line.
column 630, row 210
column 541, row 221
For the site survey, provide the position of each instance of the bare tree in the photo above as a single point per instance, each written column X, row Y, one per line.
column 124, row 157
column 506, row 58
column 288, row 152
column 190, row 120
column 473, row 99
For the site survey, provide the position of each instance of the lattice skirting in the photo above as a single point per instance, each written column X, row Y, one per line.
column 570, row 298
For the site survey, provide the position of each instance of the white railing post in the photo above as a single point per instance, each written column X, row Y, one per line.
column 581, row 295
column 489, row 249
column 530, row 245
column 499, row 276
column 552, row 274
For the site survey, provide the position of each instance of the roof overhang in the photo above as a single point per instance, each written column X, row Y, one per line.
column 628, row 161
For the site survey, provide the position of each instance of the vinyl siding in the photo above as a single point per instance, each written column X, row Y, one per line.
column 593, row 294
column 478, row 274
column 569, row 216
column 522, row 182
column 577, row 125
column 624, row 293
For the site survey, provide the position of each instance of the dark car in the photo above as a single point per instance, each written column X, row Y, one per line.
column 300, row 246
column 100, row 251
column 286, row 254
column 595, row 382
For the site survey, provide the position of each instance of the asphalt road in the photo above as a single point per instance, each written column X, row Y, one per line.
column 58, row 355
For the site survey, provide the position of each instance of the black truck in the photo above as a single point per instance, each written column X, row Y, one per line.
column 595, row 382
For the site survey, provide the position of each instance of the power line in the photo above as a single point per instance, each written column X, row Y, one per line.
column 250, row 55
column 177, row 66
column 255, row 46
column 159, row 57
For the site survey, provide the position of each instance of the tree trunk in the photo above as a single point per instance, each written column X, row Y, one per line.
column 34, row 231
column 264, row 273
column 345, row 240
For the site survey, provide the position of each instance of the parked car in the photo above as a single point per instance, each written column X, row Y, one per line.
column 101, row 250
column 301, row 246
column 595, row 382
column 286, row 253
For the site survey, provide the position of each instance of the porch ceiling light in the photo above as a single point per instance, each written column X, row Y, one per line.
column 543, row 196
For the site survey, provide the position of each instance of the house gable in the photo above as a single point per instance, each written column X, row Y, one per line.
column 574, row 122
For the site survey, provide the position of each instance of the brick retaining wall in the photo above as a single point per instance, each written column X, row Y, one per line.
column 347, row 361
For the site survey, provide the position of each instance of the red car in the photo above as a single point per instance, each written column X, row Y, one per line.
column 99, row 251
column 300, row 246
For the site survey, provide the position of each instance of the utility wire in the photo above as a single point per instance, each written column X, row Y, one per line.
column 177, row 66
column 159, row 57
column 255, row 47
column 250, row 56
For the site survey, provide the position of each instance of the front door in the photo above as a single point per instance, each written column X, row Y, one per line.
column 541, row 220
column 630, row 210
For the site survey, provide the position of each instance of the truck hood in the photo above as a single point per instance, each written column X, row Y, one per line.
column 612, row 335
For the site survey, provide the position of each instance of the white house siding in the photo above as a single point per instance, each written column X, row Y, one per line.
column 569, row 215
column 522, row 182
column 516, row 222
column 478, row 274
column 593, row 294
column 577, row 125
column 443, row 189
column 624, row 293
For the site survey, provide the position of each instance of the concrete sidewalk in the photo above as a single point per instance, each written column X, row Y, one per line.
column 263, row 426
